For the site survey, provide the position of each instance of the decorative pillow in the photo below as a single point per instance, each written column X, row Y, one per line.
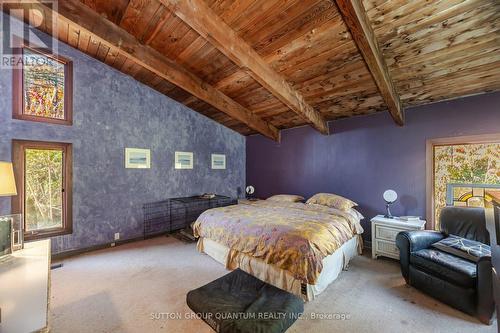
column 331, row 200
column 286, row 198
column 463, row 248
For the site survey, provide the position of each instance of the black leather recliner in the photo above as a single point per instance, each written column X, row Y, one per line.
column 460, row 283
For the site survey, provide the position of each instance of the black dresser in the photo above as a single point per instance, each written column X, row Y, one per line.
column 178, row 213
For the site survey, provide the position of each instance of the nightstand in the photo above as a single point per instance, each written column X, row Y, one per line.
column 384, row 231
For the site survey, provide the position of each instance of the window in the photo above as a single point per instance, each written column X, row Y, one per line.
column 460, row 172
column 43, row 88
column 44, row 181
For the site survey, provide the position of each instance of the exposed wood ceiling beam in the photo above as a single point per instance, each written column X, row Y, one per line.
column 355, row 18
column 205, row 21
column 77, row 14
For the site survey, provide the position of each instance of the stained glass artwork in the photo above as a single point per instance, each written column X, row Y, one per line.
column 43, row 86
column 462, row 173
column 468, row 195
column 459, row 191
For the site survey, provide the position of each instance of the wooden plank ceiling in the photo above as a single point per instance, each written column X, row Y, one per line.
column 430, row 50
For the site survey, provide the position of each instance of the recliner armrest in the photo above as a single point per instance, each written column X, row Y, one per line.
column 411, row 241
column 485, row 301
column 485, row 260
column 420, row 239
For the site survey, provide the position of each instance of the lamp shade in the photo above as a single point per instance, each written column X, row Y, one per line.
column 7, row 182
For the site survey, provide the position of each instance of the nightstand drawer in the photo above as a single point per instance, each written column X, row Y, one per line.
column 387, row 248
column 386, row 233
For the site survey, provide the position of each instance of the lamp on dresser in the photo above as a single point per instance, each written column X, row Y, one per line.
column 386, row 227
column 390, row 196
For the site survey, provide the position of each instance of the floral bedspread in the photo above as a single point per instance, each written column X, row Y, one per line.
column 294, row 236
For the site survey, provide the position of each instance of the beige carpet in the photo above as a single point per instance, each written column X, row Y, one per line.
column 141, row 287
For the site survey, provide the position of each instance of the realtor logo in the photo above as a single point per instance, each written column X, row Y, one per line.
column 20, row 24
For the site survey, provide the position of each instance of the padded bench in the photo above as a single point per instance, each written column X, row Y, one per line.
column 240, row 303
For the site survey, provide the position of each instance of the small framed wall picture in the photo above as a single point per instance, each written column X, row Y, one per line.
column 136, row 158
column 183, row 160
column 219, row 161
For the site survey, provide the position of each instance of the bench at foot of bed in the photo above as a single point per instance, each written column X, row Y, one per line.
column 239, row 302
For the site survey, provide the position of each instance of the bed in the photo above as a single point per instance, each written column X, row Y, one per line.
column 298, row 247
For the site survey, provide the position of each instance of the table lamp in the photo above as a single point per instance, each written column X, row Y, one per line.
column 390, row 196
column 249, row 190
column 7, row 181
column 7, row 189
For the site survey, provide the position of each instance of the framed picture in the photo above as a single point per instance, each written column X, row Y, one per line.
column 136, row 158
column 183, row 160
column 219, row 161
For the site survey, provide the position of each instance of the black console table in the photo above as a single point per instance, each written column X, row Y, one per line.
column 178, row 213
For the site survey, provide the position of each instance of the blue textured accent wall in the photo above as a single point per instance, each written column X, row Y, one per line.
column 113, row 111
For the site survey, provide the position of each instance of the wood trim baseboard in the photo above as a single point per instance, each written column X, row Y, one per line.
column 76, row 252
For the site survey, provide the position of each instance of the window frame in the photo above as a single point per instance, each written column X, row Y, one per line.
column 18, row 202
column 430, row 164
column 18, row 88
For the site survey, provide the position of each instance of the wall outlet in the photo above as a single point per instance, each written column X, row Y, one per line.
column 117, row 235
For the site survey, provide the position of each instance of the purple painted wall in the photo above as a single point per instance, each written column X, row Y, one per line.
column 366, row 155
